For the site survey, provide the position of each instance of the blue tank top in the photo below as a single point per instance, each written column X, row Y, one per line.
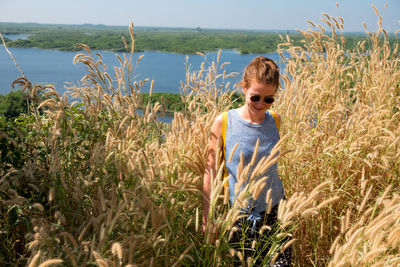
column 245, row 134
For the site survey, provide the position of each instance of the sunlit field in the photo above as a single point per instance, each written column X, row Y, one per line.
column 87, row 180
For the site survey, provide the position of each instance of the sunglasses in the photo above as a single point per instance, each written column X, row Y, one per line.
column 267, row 99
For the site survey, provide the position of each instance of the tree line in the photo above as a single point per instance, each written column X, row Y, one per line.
column 177, row 40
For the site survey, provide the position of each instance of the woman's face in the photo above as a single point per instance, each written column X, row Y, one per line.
column 257, row 95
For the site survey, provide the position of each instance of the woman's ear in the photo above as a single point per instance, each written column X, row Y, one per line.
column 242, row 85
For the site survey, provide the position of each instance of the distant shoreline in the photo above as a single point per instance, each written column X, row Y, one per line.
column 122, row 27
column 89, row 25
column 174, row 40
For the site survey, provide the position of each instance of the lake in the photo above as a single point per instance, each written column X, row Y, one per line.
column 166, row 69
column 16, row 36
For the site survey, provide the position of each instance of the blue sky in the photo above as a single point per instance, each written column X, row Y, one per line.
column 220, row 14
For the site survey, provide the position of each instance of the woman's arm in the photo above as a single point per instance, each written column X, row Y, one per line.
column 210, row 167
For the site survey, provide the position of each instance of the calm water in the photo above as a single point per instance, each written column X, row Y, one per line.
column 55, row 67
column 16, row 36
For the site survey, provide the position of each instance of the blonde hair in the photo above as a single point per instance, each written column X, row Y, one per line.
column 262, row 70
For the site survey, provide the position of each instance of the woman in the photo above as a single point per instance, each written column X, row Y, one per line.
column 245, row 127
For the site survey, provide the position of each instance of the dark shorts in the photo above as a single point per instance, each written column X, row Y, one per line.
column 266, row 245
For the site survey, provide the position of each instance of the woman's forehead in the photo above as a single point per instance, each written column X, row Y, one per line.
column 261, row 88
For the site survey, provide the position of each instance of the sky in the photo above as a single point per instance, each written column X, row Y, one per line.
column 214, row 14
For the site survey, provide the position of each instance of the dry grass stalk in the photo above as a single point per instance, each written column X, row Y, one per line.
column 51, row 262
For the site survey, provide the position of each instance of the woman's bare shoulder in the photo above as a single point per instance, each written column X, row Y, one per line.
column 217, row 125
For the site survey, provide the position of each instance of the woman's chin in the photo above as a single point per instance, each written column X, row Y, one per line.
column 259, row 110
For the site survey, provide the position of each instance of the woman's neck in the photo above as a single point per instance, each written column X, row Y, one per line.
column 250, row 116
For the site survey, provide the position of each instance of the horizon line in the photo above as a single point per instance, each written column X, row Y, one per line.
column 169, row 27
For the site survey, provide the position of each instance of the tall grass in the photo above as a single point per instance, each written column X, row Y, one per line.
column 342, row 123
column 110, row 187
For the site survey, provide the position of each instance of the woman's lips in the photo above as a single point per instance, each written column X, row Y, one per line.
column 258, row 109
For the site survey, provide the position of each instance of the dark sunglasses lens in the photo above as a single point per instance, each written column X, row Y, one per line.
column 269, row 100
column 255, row 98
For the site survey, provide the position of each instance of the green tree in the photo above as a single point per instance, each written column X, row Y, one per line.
column 13, row 104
